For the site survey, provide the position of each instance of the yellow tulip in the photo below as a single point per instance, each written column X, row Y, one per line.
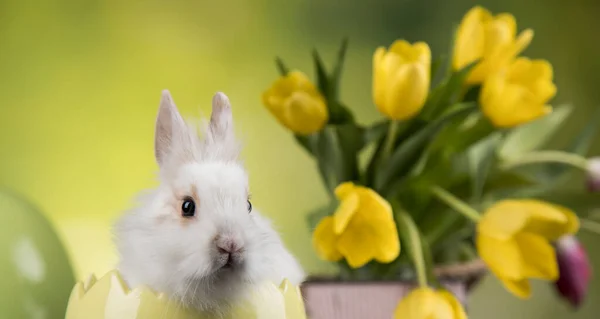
column 401, row 78
column 296, row 103
column 427, row 303
column 361, row 229
column 514, row 240
column 519, row 93
column 490, row 39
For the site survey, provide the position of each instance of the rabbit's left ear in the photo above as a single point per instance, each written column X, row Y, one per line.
column 220, row 141
column 221, row 119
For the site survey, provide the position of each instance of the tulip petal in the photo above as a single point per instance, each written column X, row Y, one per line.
column 407, row 91
column 305, row 114
column 502, row 256
column 522, row 42
column 536, row 76
column 324, row 240
column 470, row 40
column 375, row 205
column 358, row 243
column 370, row 234
column 419, row 303
column 572, row 220
column 386, row 69
column 541, row 69
column 344, row 212
column 388, row 243
column 401, row 48
column 548, row 220
column 520, row 288
column 459, row 311
column 503, row 219
column 379, row 77
column 422, row 53
column 508, row 217
column 509, row 23
column 379, row 214
column 499, row 35
column 344, row 189
column 418, row 52
column 525, row 113
column 539, row 257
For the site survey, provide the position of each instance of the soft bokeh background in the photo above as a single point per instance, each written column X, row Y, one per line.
column 81, row 80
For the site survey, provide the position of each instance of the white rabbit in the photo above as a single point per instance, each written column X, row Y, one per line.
column 196, row 237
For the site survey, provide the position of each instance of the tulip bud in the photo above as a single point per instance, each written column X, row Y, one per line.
column 574, row 268
column 297, row 104
column 401, row 79
column 593, row 174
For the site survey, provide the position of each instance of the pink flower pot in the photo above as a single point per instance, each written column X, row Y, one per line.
column 331, row 299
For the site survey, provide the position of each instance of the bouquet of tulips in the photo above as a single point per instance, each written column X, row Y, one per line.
column 454, row 172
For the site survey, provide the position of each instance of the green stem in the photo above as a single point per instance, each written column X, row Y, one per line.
column 390, row 140
column 589, row 225
column 559, row 157
column 456, row 203
column 412, row 231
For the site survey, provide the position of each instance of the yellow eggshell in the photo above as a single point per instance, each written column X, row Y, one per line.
column 111, row 298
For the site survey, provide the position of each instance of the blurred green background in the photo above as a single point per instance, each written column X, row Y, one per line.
column 81, row 81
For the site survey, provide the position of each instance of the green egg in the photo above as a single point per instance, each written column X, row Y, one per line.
column 36, row 275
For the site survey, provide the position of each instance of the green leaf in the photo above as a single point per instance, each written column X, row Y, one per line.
column 329, row 86
column 281, row 67
column 435, row 67
column 472, row 94
column 456, row 83
column 532, row 136
column 314, row 217
column 376, row 132
column 551, row 174
column 407, row 129
column 412, row 241
column 481, row 157
column 351, row 139
column 322, row 78
column 433, row 99
column 454, row 252
column 507, row 180
column 440, row 221
column 338, row 113
column 307, row 142
column 429, row 264
column 582, row 142
column 447, row 92
column 338, row 146
column 454, row 139
column 410, row 149
column 311, row 144
column 337, row 69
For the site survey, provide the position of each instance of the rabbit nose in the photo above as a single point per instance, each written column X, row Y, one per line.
column 228, row 245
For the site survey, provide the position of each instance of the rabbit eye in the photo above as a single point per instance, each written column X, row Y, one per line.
column 249, row 207
column 188, row 208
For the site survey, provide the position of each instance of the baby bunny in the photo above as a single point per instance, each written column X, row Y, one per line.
column 196, row 236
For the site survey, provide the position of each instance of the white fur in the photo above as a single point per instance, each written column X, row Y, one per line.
column 169, row 253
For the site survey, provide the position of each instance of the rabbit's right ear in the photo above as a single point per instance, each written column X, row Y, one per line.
column 170, row 128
